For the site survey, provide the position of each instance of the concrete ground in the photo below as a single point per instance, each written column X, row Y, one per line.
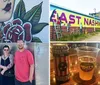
column 93, row 38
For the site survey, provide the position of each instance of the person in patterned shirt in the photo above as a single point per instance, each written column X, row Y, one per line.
column 6, row 67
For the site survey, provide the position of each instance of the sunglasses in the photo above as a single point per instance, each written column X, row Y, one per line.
column 6, row 50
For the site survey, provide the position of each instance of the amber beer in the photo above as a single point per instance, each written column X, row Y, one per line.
column 86, row 67
column 87, row 61
column 61, row 62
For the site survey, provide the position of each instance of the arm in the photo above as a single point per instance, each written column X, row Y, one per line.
column 31, row 64
column 31, row 73
column 11, row 62
column 5, row 68
column 1, row 67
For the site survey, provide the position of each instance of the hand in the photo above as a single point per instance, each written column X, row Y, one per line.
column 0, row 66
column 4, row 68
column 30, row 79
column 2, row 72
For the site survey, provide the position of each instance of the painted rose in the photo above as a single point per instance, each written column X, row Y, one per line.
column 17, row 30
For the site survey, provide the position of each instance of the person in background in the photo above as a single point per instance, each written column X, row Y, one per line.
column 24, row 65
column 81, row 28
column 68, row 27
column 6, row 67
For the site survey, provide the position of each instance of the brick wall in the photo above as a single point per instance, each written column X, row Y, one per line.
column 71, row 31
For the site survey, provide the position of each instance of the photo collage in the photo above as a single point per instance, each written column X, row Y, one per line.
column 49, row 42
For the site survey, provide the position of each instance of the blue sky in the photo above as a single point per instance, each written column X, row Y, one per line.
column 82, row 6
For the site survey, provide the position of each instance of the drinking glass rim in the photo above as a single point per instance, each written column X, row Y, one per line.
column 89, row 49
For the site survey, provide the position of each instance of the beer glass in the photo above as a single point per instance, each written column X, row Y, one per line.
column 87, row 61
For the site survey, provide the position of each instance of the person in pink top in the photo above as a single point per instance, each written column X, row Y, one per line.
column 24, row 65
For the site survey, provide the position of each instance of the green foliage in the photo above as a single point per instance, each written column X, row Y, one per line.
column 76, row 37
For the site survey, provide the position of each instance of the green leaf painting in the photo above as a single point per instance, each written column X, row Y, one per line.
column 36, row 39
column 37, row 28
column 20, row 10
column 34, row 14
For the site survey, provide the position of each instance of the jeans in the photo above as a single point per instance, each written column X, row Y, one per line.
column 4, row 80
column 22, row 83
column 33, row 82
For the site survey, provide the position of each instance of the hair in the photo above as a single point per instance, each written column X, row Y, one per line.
column 20, row 40
column 6, row 46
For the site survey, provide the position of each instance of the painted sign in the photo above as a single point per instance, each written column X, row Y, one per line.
column 72, row 18
column 22, row 19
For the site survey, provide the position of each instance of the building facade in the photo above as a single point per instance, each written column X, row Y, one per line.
column 70, row 22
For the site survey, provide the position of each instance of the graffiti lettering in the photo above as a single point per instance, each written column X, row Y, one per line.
column 63, row 17
column 78, row 18
column 52, row 18
column 74, row 19
column 89, row 22
column 85, row 21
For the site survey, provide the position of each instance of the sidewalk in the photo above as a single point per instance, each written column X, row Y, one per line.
column 93, row 38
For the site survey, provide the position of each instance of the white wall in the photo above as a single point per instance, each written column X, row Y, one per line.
column 41, row 52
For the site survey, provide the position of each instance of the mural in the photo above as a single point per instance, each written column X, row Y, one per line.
column 73, row 18
column 25, row 23
column 41, row 53
column 64, row 22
